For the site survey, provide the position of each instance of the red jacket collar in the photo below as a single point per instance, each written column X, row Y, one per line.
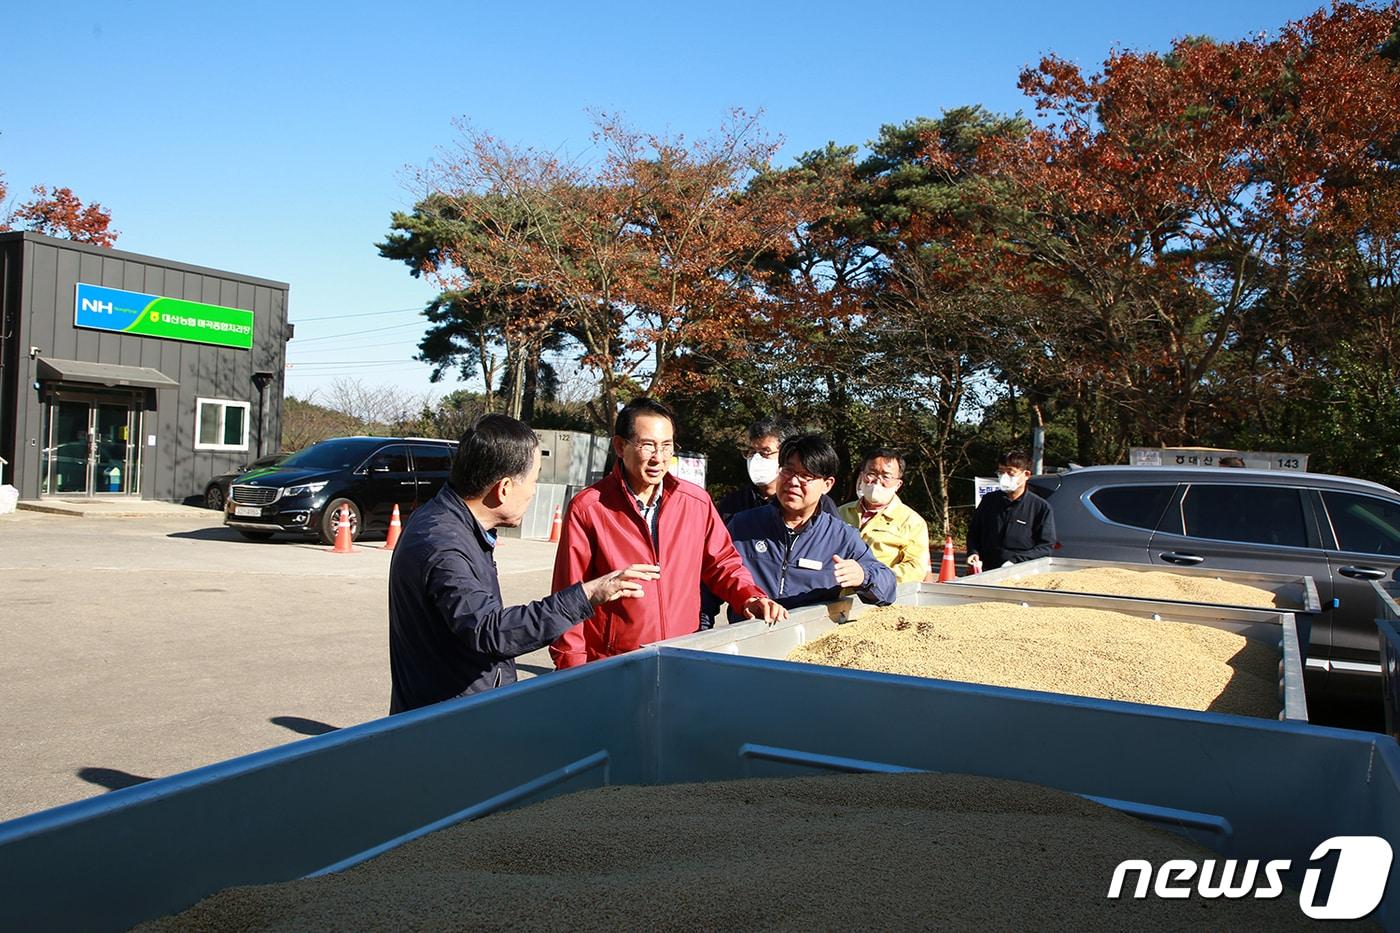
column 618, row 479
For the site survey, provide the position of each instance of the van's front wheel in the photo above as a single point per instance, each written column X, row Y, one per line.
column 331, row 515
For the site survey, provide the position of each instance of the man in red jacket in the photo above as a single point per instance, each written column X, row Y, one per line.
column 641, row 514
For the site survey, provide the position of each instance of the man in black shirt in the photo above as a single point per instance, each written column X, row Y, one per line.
column 1010, row 526
column 449, row 633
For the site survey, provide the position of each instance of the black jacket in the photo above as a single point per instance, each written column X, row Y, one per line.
column 1003, row 530
column 449, row 635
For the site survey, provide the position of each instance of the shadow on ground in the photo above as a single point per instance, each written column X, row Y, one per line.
column 222, row 533
column 111, row 778
column 210, row 534
column 303, row 726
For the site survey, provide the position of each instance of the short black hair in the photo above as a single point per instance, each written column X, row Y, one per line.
column 493, row 448
column 1231, row 461
column 772, row 426
column 813, row 451
column 1016, row 459
column 625, row 425
column 883, row 453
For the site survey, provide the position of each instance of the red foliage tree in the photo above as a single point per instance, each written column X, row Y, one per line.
column 59, row 212
column 642, row 257
column 1181, row 199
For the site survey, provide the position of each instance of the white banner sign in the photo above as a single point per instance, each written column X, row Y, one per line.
column 981, row 485
column 1210, row 457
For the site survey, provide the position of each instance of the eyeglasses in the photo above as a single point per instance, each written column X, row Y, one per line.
column 803, row 479
column 884, row 479
column 652, row 448
column 767, row 453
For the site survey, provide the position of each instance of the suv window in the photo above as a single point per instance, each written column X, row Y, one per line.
column 431, row 458
column 1139, row 506
column 389, row 460
column 1258, row 514
column 1364, row 524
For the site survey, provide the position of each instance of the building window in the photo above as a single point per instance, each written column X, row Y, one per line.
column 220, row 424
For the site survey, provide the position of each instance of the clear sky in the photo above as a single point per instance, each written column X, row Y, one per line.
column 272, row 138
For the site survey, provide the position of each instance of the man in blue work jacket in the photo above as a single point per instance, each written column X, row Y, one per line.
column 449, row 635
column 798, row 553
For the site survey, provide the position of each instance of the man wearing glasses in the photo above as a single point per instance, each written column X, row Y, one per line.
column 766, row 436
column 897, row 535
column 667, row 524
column 799, row 553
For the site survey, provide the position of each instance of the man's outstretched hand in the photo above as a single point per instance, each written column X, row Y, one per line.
column 620, row 584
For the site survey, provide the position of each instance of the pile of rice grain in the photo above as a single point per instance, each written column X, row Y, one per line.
column 899, row 851
column 1153, row 584
column 1086, row 652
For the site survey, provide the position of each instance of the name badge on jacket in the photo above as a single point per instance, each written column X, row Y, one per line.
column 806, row 563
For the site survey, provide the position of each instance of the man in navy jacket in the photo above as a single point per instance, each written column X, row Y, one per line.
column 449, row 635
column 798, row 553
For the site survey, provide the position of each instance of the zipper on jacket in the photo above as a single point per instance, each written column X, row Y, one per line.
column 654, row 541
column 787, row 557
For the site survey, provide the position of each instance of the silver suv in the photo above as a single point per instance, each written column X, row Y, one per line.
column 1342, row 532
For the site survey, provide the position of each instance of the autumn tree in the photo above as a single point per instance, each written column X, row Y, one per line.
column 1176, row 196
column 495, row 328
column 640, row 257
column 58, row 212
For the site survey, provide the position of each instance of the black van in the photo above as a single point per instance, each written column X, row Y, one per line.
column 302, row 494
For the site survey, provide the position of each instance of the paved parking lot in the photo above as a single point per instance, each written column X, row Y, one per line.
column 134, row 648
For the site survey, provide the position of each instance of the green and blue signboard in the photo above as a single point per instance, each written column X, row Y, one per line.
column 166, row 318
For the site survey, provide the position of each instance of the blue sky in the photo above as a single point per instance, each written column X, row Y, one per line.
column 272, row 139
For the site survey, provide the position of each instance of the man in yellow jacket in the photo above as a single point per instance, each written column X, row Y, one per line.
column 897, row 535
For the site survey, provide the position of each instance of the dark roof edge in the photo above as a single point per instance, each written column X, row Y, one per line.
column 138, row 257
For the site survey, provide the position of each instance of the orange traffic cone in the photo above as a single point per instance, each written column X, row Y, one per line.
column 554, row 526
column 394, row 527
column 342, row 531
column 948, row 570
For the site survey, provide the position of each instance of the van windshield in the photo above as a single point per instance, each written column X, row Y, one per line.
column 332, row 455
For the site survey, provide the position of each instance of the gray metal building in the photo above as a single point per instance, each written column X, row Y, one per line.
column 127, row 375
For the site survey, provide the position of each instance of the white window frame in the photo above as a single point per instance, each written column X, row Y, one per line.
column 224, row 405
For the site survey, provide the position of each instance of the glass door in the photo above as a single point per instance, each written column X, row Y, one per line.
column 90, row 449
column 111, row 435
column 69, row 452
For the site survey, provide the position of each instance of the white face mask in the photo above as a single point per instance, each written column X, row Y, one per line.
column 875, row 494
column 762, row 470
column 1008, row 482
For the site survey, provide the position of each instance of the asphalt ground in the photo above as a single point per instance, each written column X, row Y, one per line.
column 135, row 648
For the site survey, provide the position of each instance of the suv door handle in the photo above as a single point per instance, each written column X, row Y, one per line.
column 1361, row 573
column 1177, row 557
column 408, row 482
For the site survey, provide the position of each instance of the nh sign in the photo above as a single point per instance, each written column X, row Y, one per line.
column 112, row 309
